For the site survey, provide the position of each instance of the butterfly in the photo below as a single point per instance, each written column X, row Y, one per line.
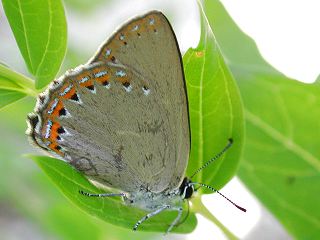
column 122, row 118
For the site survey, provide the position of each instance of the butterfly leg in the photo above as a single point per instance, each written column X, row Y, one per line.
column 149, row 215
column 102, row 194
column 175, row 222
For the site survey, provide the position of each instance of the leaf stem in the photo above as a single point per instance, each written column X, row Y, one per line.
column 199, row 207
column 23, row 81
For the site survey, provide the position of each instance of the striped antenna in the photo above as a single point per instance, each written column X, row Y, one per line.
column 214, row 158
column 215, row 190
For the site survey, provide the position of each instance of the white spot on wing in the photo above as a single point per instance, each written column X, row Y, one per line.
column 100, row 74
column 146, row 91
column 53, row 106
column 128, row 88
column 120, row 73
column 66, row 90
column 93, row 91
column 68, row 115
column 79, row 101
column 84, row 79
column 107, row 86
column 151, row 21
column 48, row 130
column 135, row 28
column 108, row 52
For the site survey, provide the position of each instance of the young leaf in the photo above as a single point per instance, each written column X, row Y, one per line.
column 39, row 27
column 215, row 111
column 9, row 96
column 109, row 209
column 12, row 86
column 281, row 156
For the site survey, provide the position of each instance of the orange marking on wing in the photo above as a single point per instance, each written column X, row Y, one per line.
column 57, row 109
column 56, row 148
column 51, row 106
column 50, row 136
column 87, row 83
column 54, row 131
column 123, row 79
column 69, row 94
column 136, row 29
column 84, row 79
column 102, row 78
column 141, row 28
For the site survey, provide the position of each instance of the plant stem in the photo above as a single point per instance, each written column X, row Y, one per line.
column 26, row 83
column 199, row 207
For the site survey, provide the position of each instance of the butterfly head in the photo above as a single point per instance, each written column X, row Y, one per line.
column 186, row 189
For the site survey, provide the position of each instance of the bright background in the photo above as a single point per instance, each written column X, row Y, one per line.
column 287, row 34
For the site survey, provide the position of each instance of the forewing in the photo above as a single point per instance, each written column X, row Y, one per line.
column 148, row 46
column 122, row 120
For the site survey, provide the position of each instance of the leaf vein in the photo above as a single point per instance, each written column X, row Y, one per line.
column 284, row 140
column 25, row 35
column 48, row 40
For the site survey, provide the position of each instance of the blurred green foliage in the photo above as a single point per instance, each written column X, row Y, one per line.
column 40, row 30
column 280, row 163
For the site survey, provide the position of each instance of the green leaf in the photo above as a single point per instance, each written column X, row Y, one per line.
column 39, row 27
column 13, row 86
column 86, row 6
column 281, row 156
column 215, row 111
column 9, row 96
column 109, row 209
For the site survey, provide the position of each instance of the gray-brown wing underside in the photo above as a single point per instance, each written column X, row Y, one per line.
column 134, row 133
column 127, row 140
column 147, row 46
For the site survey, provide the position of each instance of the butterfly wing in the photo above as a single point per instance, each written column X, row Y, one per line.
column 122, row 119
